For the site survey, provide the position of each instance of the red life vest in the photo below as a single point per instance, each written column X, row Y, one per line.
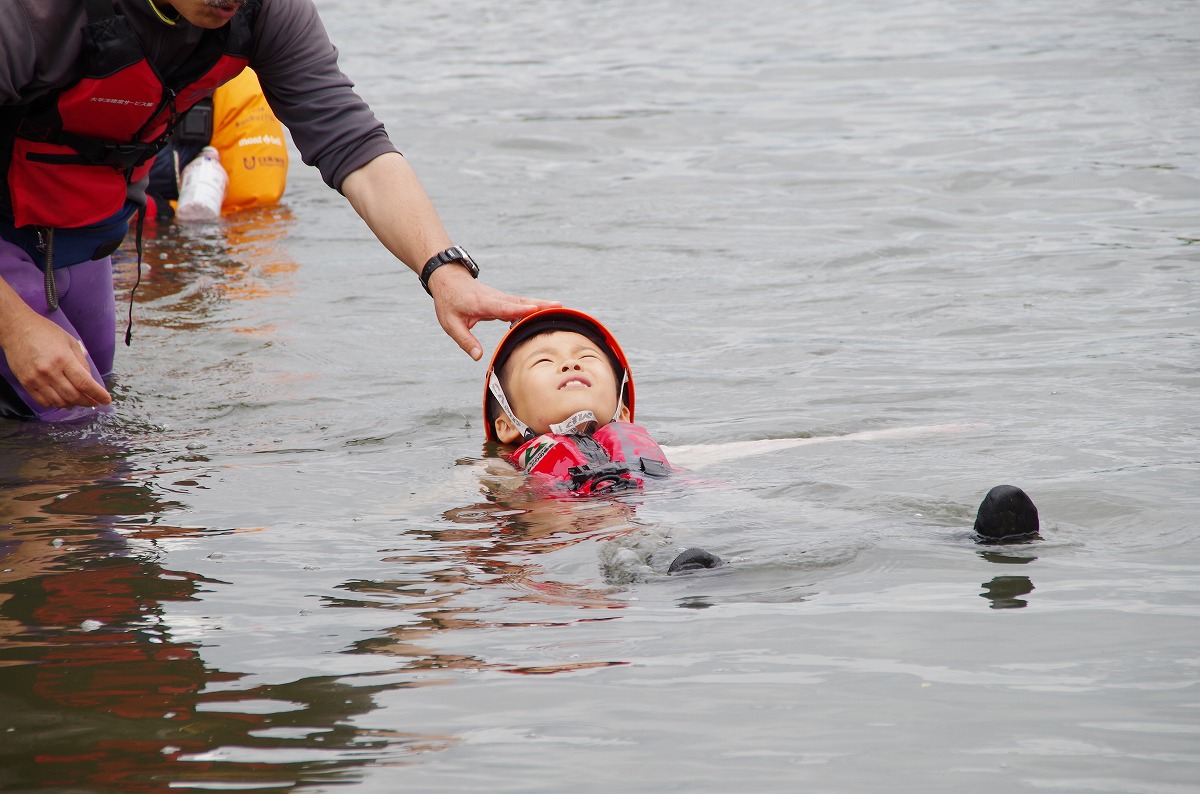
column 72, row 155
column 617, row 456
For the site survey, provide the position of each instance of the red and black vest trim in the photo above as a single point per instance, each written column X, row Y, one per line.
column 616, row 457
column 69, row 158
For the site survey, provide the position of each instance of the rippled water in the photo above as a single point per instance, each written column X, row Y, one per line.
column 288, row 562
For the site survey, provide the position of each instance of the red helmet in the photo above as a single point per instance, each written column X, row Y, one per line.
column 494, row 400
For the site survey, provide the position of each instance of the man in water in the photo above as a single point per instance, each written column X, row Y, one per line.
column 90, row 90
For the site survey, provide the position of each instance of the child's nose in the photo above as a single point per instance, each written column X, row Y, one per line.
column 571, row 364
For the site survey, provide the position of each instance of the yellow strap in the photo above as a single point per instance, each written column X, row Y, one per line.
column 162, row 16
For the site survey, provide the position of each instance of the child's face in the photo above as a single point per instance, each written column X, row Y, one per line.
column 553, row 376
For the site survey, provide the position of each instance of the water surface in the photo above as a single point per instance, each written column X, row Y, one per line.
column 288, row 562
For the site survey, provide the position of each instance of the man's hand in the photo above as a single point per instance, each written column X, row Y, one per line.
column 51, row 364
column 460, row 302
column 389, row 197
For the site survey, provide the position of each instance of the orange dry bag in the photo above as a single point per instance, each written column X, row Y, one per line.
column 250, row 140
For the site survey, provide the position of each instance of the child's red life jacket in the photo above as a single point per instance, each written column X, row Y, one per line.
column 618, row 456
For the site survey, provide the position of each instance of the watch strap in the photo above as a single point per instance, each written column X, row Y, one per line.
column 452, row 254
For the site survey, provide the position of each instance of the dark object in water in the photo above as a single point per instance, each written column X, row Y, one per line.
column 694, row 559
column 1006, row 513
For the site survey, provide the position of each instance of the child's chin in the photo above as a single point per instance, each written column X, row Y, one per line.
column 602, row 412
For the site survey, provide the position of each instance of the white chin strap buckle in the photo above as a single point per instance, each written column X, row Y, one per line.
column 583, row 423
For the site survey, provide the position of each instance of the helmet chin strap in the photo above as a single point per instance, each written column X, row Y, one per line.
column 498, row 392
column 621, row 396
column 583, row 422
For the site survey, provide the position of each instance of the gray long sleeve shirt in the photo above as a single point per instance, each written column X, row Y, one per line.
column 334, row 129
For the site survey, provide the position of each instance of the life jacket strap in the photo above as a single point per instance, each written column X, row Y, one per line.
column 123, row 156
column 141, row 223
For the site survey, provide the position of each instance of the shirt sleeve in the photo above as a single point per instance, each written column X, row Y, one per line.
column 18, row 57
column 332, row 126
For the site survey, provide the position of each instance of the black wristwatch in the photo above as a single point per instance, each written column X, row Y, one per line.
column 451, row 254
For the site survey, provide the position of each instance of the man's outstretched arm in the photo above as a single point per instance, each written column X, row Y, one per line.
column 390, row 198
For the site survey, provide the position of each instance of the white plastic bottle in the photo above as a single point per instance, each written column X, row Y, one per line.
column 202, row 187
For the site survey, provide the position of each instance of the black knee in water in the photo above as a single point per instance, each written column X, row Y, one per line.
column 1006, row 512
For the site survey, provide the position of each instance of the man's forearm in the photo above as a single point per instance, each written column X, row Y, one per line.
column 390, row 198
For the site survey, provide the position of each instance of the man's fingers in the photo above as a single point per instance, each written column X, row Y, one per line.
column 70, row 386
column 538, row 303
column 459, row 309
column 90, row 393
column 62, row 393
column 514, row 307
column 508, row 308
column 467, row 341
column 457, row 326
column 48, row 396
column 87, row 391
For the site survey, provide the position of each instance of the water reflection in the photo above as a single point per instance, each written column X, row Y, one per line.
column 209, row 297
column 95, row 693
column 1004, row 592
column 189, row 270
column 500, row 543
column 241, row 257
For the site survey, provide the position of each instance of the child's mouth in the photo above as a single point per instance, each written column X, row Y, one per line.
column 575, row 382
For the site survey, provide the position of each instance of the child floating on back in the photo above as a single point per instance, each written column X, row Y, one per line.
column 559, row 386
column 559, row 389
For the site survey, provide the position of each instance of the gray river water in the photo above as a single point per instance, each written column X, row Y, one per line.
column 288, row 562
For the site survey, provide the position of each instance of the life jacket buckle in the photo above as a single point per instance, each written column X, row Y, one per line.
column 129, row 155
column 601, row 477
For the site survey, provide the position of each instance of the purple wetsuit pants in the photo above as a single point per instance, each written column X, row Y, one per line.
column 86, row 310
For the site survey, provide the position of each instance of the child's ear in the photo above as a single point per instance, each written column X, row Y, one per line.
column 506, row 431
column 623, row 414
